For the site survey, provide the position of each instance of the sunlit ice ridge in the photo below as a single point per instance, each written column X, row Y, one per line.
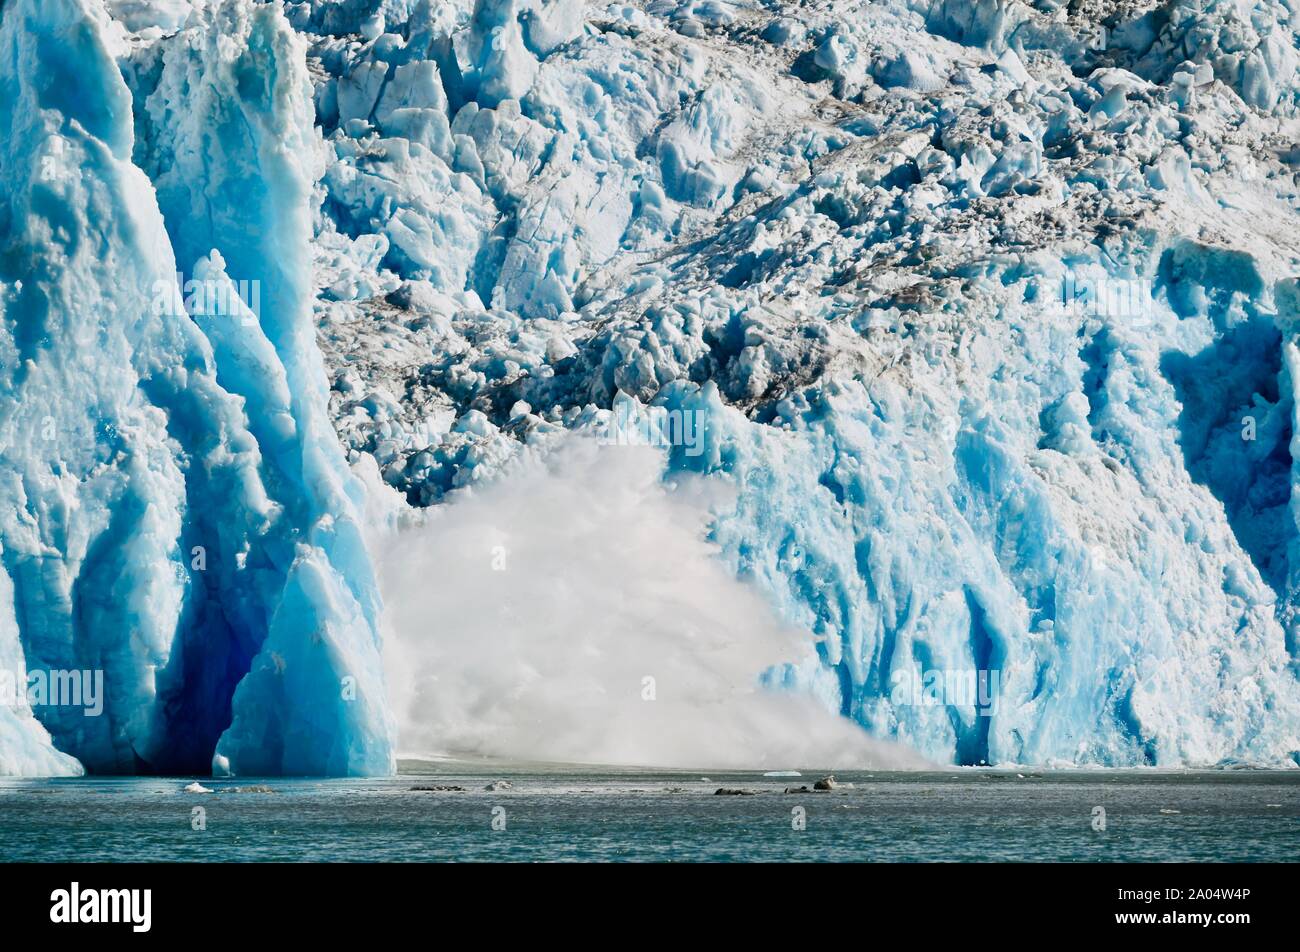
column 731, row 382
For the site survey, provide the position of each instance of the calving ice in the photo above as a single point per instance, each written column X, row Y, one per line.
column 103, row 906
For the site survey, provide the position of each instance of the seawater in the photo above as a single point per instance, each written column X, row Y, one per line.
column 576, row 814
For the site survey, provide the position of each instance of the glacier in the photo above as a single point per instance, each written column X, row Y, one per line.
column 985, row 313
column 176, row 508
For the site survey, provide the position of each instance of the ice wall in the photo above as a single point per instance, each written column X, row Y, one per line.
column 984, row 306
column 175, row 510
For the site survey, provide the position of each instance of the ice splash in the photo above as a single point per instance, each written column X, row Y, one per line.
column 572, row 612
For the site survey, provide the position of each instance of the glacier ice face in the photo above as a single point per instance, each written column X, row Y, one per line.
column 987, row 310
column 984, row 312
column 176, row 511
column 26, row 748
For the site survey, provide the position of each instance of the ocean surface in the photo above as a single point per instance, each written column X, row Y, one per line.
column 577, row 813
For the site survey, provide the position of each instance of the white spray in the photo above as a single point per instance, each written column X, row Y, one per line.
column 573, row 612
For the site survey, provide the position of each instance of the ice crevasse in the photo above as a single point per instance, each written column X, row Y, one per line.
column 175, row 511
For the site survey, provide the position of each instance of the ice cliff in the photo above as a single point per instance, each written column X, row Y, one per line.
column 987, row 310
column 176, row 511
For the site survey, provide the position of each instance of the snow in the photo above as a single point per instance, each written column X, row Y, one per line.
column 986, row 313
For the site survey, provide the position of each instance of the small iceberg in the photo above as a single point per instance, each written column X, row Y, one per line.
column 197, row 787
